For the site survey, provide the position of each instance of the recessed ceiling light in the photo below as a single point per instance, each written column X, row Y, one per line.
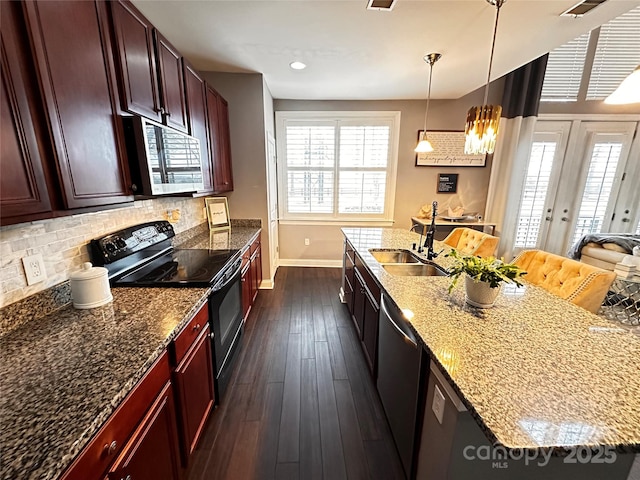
column 298, row 65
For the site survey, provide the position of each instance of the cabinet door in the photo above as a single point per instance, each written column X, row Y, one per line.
column 171, row 84
column 247, row 295
column 256, row 272
column 23, row 188
column 370, row 333
column 358, row 304
column 136, row 59
column 152, row 451
column 220, row 153
column 195, row 393
column 196, row 93
column 73, row 52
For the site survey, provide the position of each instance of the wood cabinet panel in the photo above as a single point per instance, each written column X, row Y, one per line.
column 370, row 332
column 136, row 60
column 23, row 187
column 152, row 451
column 73, row 53
column 111, row 438
column 184, row 340
column 195, row 393
column 219, row 141
column 256, row 269
column 196, row 98
column 247, row 295
column 171, row 84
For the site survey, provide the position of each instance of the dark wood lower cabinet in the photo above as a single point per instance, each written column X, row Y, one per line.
column 152, row 451
column 251, row 274
column 361, row 293
column 194, row 393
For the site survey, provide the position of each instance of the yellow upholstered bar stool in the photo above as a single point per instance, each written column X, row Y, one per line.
column 582, row 284
column 472, row 242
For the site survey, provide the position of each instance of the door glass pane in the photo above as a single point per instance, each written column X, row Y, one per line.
column 597, row 190
column 534, row 194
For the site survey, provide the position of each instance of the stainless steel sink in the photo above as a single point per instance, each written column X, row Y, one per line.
column 416, row 270
column 394, row 256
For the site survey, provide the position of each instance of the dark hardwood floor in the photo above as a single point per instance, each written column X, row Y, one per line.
column 302, row 404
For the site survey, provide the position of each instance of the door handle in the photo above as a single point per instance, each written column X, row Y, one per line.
column 548, row 219
column 626, row 220
column 564, row 219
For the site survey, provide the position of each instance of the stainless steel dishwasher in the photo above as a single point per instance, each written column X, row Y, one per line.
column 399, row 379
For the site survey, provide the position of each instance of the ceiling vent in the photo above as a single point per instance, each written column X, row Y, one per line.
column 381, row 5
column 582, row 8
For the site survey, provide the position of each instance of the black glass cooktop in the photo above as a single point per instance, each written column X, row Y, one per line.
column 179, row 268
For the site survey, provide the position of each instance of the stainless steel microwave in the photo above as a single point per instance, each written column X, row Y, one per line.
column 162, row 160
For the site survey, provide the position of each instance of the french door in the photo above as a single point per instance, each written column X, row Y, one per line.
column 582, row 177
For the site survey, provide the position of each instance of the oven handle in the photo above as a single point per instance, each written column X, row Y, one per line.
column 236, row 267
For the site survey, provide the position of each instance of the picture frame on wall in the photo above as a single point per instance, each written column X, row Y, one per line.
column 217, row 213
column 448, row 151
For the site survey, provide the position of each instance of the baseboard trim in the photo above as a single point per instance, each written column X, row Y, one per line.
column 266, row 284
column 309, row 262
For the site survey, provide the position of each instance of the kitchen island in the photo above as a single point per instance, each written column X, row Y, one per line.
column 536, row 372
column 64, row 372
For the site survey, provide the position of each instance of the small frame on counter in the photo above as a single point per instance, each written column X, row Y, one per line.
column 217, row 213
column 448, row 150
column 447, row 182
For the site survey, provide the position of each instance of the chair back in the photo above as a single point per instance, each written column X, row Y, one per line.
column 580, row 283
column 472, row 242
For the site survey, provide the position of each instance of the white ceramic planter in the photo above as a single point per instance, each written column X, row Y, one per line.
column 480, row 294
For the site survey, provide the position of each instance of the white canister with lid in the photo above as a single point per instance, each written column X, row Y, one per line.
column 90, row 287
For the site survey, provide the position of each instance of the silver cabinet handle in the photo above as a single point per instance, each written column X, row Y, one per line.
column 196, row 327
column 110, row 448
column 564, row 219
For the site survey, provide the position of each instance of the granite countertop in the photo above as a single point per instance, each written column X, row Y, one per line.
column 62, row 374
column 535, row 371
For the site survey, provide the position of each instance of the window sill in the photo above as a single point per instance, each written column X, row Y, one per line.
column 340, row 222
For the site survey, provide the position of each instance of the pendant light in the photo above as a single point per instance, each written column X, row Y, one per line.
column 423, row 145
column 628, row 91
column 482, row 125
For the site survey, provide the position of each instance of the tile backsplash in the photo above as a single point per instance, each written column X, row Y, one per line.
column 63, row 241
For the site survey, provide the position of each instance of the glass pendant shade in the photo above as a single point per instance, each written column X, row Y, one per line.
column 481, row 129
column 424, row 146
column 628, row 91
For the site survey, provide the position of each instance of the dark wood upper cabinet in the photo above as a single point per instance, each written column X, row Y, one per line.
column 74, row 60
column 23, row 187
column 151, row 79
column 171, row 84
column 196, row 93
column 140, row 93
column 220, row 141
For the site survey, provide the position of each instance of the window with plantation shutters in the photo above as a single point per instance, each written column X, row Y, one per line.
column 616, row 56
column 534, row 193
column 612, row 58
column 564, row 71
column 337, row 165
column 598, row 188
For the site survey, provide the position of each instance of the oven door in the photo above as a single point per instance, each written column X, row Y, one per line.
column 225, row 316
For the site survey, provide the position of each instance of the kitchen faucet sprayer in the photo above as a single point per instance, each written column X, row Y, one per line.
column 428, row 243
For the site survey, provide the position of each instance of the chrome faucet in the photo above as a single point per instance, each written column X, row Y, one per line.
column 428, row 243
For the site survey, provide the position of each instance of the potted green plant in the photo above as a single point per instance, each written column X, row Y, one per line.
column 484, row 277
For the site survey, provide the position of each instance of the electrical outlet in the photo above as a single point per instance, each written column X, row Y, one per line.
column 438, row 404
column 34, row 268
column 307, row 242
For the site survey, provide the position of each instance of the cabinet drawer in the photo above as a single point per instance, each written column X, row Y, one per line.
column 190, row 332
column 96, row 458
column 255, row 245
column 369, row 281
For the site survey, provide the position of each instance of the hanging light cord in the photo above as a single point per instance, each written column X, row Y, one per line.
column 498, row 4
column 426, row 112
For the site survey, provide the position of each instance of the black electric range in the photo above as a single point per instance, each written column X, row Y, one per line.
column 142, row 256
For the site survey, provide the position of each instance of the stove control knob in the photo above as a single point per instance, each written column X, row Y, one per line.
column 120, row 243
column 110, row 247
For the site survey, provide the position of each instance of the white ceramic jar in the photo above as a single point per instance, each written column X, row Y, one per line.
column 90, row 287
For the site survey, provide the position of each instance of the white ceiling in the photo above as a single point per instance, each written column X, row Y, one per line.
column 354, row 53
